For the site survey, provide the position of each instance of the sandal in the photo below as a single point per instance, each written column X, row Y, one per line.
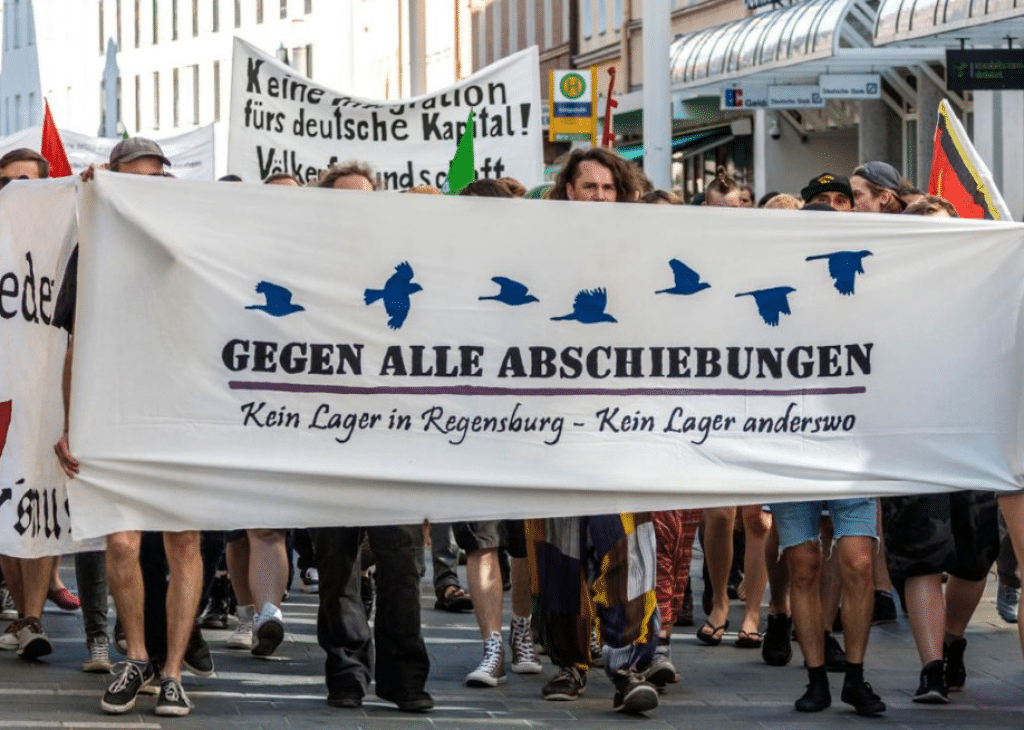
column 713, row 637
column 454, row 600
column 748, row 639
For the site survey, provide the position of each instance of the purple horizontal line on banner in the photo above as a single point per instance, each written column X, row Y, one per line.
column 487, row 390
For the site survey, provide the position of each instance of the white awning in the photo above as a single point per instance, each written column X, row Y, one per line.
column 796, row 42
column 949, row 20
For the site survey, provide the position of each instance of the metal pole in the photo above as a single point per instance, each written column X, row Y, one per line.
column 657, row 33
column 417, row 47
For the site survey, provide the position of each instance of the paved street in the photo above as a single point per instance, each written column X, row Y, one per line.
column 722, row 687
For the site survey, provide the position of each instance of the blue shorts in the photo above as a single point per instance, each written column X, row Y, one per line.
column 799, row 522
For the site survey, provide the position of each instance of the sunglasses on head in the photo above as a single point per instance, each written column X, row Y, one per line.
column 5, row 180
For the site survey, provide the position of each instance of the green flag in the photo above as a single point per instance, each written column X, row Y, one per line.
column 462, row 170
column 125, row 135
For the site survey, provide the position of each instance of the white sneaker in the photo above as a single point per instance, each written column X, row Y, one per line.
column 9, row 639
column 241, row 637
column 310, row 580
column 267, row 630
column 98, row 661
column 491, row 671
column 8, row 611
column 520, row 640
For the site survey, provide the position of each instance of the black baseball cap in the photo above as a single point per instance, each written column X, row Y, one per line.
column 827, row 183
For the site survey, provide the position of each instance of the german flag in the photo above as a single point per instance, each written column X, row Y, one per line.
column 960, row 175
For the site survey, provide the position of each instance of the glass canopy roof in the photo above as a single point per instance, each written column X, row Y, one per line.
column 902, row 20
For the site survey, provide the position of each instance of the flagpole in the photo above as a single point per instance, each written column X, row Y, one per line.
column 656, row 93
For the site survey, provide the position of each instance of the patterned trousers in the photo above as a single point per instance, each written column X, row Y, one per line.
column 675, row 530
column 599, row 567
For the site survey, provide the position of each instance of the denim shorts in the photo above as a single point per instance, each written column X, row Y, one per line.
column 799, row 522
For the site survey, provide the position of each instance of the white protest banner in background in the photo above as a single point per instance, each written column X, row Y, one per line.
column 190, row 153
column 283, row 122
column 295, row 357
column 37, row 230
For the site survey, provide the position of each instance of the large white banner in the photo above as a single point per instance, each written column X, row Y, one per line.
column 283, row 122
column 190, row 153
column 294, row 357
column 37, row 227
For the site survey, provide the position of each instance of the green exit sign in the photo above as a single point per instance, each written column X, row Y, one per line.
column 985, row 69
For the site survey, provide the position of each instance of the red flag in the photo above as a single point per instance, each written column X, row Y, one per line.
column 5, row 422
column 960, row 175
column 53, row 148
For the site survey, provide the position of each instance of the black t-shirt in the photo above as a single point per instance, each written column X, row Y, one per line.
column 64, row 309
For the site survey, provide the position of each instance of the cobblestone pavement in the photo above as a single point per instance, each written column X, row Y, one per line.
column 722, row 687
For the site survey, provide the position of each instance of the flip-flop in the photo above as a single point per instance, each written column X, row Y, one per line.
column 712, row 638
column 748, row 639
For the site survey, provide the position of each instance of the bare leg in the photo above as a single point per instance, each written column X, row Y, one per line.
column 124, row 577
column 831, row 585
column 804, row 562
column 35, row 580
column 268, row 566
column 11, row 567
column 1012, row 506
column 237, row 556
column 756, row 522
column 778, row 573
column 926, row 610
column 183, row 590
column 484, row 577
column 856, row 557
column 718, row 527
column 962, row 598
column 55, row 582
column 881, row 567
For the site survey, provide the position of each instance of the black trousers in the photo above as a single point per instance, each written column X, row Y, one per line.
column 400, row 664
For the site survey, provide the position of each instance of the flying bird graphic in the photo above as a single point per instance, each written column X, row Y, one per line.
column 771, row 303
column 512, row 292
column 687, row 280
column 843, row 267
column 396, row 292
column 588, row 307
column 279, row 300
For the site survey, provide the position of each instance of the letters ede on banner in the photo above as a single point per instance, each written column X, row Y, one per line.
column 283, row 122
column 383, row 367
column 37, row 225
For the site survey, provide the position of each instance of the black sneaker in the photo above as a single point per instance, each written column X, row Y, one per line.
column 348, row 699
column 885, row 609
column 817, row 697
column 835, row 657
column 632, row 694
column 862, row 697
column 172, row 702
column 933, row 689
column 956, row 672
column 566, row 686
column 777, row 647
column 197, row 657
column 121, row 692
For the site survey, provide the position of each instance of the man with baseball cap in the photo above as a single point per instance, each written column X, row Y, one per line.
column 139, row 156
column 876, row 188
column 829, row 189
column 132, row 149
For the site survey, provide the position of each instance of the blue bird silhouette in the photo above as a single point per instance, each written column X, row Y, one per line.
column 279, row 300
column 771, row 303
column 588, row 307
column 396, row 292
column 512, row 292
column 843, row 267
column 687, row 280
